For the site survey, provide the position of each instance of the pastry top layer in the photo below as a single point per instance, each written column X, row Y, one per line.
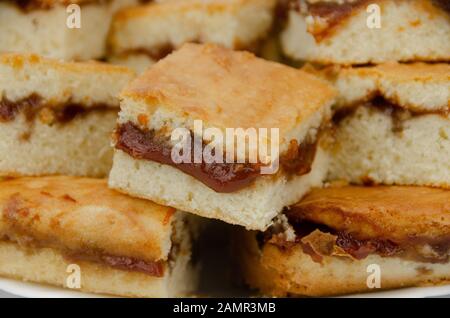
column 417, row 72
column 157, row 28
column 19, row 61
column 389, row 212
column 417, row 86
column 81, row 214
column 57, row 82
column 30, row 5
column 48, row 4
column 229, row 89
column 212, row 6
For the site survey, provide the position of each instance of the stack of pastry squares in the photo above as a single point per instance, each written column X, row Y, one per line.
column 381, row 222
column 58, row 218
column 75, row 232
column 334, row 176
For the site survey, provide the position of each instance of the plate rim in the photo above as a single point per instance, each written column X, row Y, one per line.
column 35, row 290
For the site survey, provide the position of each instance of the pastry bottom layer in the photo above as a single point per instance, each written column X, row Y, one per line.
column 293, row 272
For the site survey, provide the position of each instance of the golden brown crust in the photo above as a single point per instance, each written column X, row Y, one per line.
column 48, row 4
column 81, row 214
column 416, row 86
column 401, row 73
column 212, row 6
column 17, row 61
column 415, row 72
column 396, row 72
column 190, row 13
column 225, row 88
column 391, row 212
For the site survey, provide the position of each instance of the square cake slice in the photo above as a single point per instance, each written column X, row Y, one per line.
column 66, row 29
column 367, row 31
column 254, row 127
column 392, row 125
column 350, row 239
column 142, row 35
column 57, row 117
column 77, row 233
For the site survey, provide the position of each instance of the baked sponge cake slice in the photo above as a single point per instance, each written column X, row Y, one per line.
column 52, row 226
column 351, row 239
column 57, row 117
column 343, row 32
column 393, row 125
column 142, row 35
column 237, row 99
column 47, row 27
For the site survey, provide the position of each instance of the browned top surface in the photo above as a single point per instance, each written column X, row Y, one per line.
column 225, row 88
column 79, row 214
column 396, row 213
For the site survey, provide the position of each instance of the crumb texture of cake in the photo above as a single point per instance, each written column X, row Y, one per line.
column 124, row 246
column 341, row 233
column 137, row 62
column 339, row 33
column 373, row 147
column 392, row 124
column 81, row 147
column 45, row 28
column 142, row 35
column 253, row 207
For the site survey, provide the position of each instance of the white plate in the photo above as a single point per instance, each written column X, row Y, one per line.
column 32, row 290
column 40, row 291
column 413, row 292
